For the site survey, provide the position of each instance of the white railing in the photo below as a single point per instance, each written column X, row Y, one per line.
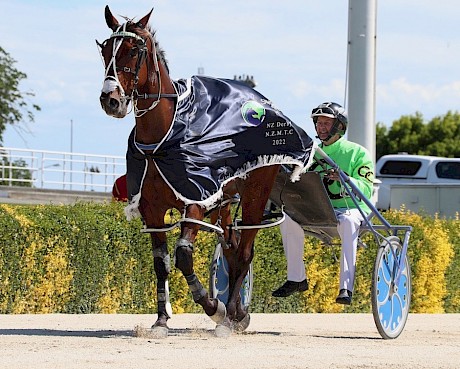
column 59, row 170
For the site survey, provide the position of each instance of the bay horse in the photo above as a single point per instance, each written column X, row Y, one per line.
column 136, row 72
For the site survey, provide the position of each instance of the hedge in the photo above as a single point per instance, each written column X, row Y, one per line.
column 86, row 258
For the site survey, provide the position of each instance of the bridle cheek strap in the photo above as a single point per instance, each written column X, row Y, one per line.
column 139, row 112
column 113, row 82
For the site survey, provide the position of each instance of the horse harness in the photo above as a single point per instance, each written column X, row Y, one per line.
column 142, row 51
column 141, row 57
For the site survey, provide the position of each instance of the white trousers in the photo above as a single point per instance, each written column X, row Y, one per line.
column 349, row 221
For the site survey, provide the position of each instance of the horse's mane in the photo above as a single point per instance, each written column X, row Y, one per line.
column 133, row 26
column 160, row 51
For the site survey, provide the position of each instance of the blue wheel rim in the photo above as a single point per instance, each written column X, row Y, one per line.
column 392, row 303
column 221, row 283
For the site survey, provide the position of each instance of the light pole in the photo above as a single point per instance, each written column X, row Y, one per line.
column 362, row 20
column 71, row 151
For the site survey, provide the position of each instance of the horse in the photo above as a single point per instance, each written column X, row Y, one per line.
column 137, row 73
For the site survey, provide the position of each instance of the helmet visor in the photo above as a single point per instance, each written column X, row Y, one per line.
column 324, row 111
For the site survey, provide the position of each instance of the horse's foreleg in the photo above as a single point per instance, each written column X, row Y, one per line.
column 184, row 262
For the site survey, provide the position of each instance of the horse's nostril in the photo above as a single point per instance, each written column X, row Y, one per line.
column 109, row 102
column 114, row 103
column 103, row 98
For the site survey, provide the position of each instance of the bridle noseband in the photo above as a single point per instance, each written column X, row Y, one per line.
column 142, row 51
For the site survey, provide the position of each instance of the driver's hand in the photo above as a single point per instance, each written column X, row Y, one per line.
column 333, row 175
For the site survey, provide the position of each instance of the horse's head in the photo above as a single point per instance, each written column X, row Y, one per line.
column 128, row 63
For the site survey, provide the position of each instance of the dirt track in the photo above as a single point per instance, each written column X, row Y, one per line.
column 271, row 341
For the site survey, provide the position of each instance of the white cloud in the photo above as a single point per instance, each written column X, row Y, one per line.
column 403, row 97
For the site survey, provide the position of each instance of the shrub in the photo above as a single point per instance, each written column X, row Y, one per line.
column 86, row 258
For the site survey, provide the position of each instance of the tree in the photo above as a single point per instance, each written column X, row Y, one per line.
column 410, row 134
column 16, row 170
column 405, row 133
column 13, row 105
column 441, row 136
column 382, row 140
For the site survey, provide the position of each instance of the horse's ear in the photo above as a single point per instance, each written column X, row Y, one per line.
column 143, row 22
column 110, row 19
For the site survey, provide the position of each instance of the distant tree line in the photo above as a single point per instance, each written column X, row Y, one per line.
column 14, row 105
column 15, row 108
column 439, row 137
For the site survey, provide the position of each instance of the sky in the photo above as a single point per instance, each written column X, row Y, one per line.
column 296, row 50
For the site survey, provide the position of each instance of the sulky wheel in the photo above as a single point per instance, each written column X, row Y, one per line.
column 390, row 302
column 218, row 279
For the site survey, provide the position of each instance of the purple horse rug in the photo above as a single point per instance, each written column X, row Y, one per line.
column 222, row 130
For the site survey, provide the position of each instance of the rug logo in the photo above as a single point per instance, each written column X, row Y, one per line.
column 253, row 112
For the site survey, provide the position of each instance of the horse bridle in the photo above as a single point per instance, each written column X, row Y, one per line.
column 141, row 57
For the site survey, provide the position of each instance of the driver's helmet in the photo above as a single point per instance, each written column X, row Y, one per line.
column 332, row 110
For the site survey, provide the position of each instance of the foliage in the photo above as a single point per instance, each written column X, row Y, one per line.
column 14, row 107
column 411, row 134
column 86, row 258
column 430, row 254
column 452, row 298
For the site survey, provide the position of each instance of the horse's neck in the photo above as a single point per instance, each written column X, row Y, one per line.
column 153, row 125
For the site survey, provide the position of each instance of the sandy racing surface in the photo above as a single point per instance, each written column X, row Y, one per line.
column 271, row 341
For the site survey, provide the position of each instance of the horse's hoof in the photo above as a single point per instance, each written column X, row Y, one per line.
column 222, row 331
column 220, row 313
column 242, row 324
column 159, row 331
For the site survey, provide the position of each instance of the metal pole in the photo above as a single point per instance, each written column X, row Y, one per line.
column 362, row 19
column 71, row 151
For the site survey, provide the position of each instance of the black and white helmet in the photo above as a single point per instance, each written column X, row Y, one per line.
column 332, row 110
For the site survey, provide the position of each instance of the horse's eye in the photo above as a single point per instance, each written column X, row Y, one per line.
column 133, row 52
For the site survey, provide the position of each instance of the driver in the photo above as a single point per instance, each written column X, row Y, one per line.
column 330, row 120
